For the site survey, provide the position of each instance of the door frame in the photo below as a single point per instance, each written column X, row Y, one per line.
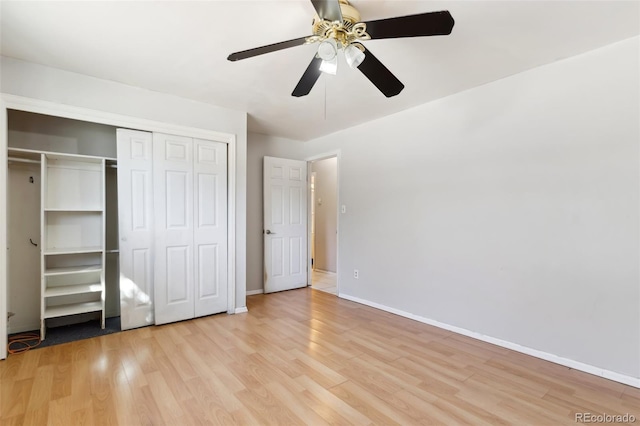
column 20, row 103
column 330, row 154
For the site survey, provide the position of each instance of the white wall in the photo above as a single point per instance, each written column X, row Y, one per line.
column 260, row 146
column 326, row 208
column 510, row 210
column 54, row 85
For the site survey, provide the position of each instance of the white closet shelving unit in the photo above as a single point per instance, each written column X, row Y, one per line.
column 72, row 236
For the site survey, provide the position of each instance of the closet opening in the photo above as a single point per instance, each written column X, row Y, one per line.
column 62, row 228
column 125, row 228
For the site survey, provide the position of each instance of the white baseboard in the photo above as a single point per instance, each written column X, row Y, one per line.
column 252, row 292
column 576, row 365
column 241, row 310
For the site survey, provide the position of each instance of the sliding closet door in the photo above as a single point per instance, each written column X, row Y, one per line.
column 173, row 226
column 135, row 215
column 174, row 237
column 210, row 226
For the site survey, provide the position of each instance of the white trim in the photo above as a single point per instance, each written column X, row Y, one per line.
column 576, row 365
column 3, row 228
column 324, row 156
column 38, row 106
column 309, row 230
column 231, row 225
column 254, row 292
column 241, row 310
column 94, row 116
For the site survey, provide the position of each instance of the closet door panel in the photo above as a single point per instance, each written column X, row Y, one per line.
column 177, row 273
column 210, row 226
column 174, row 219
column 135, row 215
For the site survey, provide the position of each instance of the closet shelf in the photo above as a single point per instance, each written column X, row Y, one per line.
column 72, row 270
column 73, row 210
column 72, row 289
column 26, row 154
column 72, row 309
column 72, row 250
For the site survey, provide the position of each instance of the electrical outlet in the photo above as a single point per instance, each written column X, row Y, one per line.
column 356, row 274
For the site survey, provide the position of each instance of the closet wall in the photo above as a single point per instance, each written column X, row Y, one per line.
column 23, row 268
column 46, row 133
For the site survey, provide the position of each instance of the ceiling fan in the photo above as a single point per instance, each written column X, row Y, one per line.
column 337, row 26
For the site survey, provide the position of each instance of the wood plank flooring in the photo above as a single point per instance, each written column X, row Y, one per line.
column 297, row 357
column 324, row 281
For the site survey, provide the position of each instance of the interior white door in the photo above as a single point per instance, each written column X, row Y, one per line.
column 135, row 215
column 210, row 226
column 173, row 208
column 285, row 224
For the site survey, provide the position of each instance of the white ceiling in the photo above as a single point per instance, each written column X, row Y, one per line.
column 181, row 48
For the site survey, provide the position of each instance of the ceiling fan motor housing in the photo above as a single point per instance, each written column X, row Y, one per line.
column 349, row 13
column 345, row 32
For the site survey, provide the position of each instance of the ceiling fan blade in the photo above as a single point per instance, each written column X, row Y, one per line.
column 328, row 9
column 267, row 49
column 423, row 24
column 380, row 75
column 309, row 78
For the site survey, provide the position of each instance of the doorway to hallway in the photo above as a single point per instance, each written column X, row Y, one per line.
column 324, row 224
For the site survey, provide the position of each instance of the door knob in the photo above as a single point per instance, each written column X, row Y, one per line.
column 268, row 232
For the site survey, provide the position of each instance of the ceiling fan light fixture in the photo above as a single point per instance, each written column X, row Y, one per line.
column 337, row 25
column 353, row 55
column 330, row 66
column 328, row 49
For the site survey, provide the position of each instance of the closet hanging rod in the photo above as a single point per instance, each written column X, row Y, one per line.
column 23, row 160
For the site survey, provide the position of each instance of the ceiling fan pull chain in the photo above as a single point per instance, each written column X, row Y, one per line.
column 325, row 99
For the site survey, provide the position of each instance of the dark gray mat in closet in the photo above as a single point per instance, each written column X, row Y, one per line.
column 71, row 333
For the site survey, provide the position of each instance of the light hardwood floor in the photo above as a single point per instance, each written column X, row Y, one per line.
column 297, row 357
column 324, row 281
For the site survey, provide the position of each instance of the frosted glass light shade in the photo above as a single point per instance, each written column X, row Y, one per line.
column 328, row 49
column 330, row 67
column 353, row 55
